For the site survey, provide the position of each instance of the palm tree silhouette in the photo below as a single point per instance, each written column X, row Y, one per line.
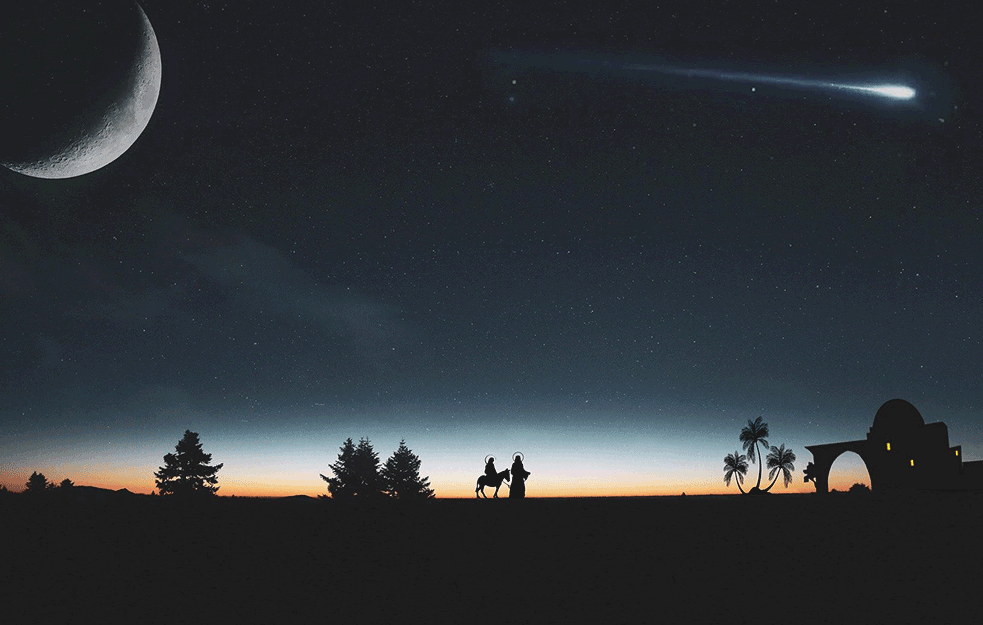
column 780, row 463
column 735, row 465
column 753, row 433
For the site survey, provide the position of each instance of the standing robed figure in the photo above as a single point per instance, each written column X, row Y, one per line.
column 519, row 475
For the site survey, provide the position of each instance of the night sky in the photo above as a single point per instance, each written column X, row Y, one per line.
column 480, row 228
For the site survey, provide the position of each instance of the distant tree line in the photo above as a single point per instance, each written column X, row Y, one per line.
column 38, row 483
column 188, row 474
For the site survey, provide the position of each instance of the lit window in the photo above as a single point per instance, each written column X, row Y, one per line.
column 889, row 446
column 912, row 462
column 957, row 452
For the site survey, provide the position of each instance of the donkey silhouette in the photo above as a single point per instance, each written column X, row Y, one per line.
column 487, row 480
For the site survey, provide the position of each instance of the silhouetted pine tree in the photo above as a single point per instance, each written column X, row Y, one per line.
column 37, row 483
column 66, row 484
column 401, row 475
column 356, row 473
column 186, row 472
column 341, row 486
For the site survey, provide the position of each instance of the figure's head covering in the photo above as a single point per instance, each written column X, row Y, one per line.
column 518, row 457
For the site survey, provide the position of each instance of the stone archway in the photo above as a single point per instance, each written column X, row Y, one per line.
column 825, row 455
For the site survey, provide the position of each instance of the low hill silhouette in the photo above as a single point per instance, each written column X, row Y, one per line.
column 94, row 493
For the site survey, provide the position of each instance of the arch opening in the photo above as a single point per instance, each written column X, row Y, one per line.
column 848, row 469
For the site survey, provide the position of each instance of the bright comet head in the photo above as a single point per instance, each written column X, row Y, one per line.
column 898, row 92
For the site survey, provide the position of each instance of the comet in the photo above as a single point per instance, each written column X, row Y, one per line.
column 892, row 92
column 924, row 93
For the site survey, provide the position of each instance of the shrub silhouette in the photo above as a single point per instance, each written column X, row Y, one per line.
column 810, row 473
column 401, row 475
column 186, row 473
column 861, row 489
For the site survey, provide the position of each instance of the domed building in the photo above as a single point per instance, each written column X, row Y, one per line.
column 901, row 452
column 897, row 415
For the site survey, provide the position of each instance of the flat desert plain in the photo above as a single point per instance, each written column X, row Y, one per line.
column 714, row 559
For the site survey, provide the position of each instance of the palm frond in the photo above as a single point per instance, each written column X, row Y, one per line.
column 749, row 448
column 754, row 432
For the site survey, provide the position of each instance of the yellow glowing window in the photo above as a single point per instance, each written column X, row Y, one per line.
column 957, row 452
column 912, row 462
column 889, row 446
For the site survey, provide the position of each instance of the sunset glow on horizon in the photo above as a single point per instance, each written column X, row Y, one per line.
column 619, row 462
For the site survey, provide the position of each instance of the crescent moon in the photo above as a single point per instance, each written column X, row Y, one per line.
column 107, row 130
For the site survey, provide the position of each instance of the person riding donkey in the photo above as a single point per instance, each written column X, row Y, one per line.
column 490, row 467
column 490, row 478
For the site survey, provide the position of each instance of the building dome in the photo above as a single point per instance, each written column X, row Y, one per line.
column 897, row 415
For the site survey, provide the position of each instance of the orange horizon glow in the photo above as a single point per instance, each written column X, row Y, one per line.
column 568, row 480
column 557, row 489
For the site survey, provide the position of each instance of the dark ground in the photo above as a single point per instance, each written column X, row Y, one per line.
column 781, row 558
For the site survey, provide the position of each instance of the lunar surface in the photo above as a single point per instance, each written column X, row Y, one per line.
column 82, row 81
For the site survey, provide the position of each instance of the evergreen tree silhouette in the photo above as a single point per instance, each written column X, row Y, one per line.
column 367, row 470
column 187, row 472
column 341, row 486
column 66, row 484
column 401, row 475
column 37, row 483
column 356, row 472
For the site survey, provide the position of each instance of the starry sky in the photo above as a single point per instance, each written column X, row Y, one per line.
column 474, row 227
